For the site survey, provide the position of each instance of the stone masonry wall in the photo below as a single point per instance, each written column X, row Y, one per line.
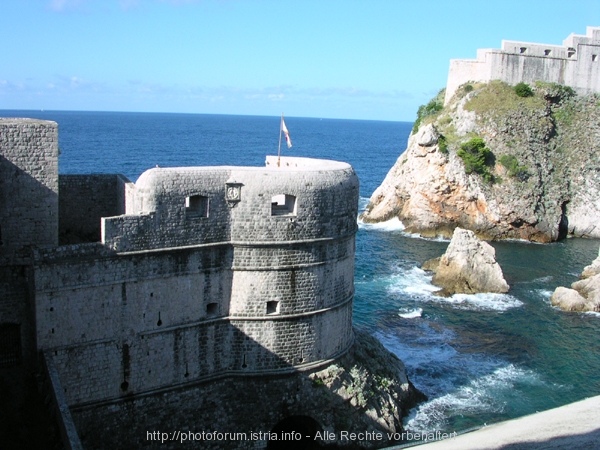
column 177, row 295
column 28, row 215
column 84, row 200
column 576, row 63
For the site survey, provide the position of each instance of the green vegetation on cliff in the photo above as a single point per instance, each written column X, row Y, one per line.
column 522, row 125
column 477, row 158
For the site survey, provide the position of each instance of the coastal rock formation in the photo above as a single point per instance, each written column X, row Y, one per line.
column 568, row 299
column 367, row 390
column 591, row 270
column 469, row 266
column 539, row 181
column 584, row 294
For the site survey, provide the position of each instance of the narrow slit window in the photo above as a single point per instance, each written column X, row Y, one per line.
column 212, row 309
column 196, row 206
column 272, row 307
column 283, row 205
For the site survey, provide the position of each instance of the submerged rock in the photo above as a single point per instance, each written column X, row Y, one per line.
column 469, row 266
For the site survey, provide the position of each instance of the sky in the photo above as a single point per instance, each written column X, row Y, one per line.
column 347, row 59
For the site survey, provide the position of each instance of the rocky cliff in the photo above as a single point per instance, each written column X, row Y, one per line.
column 500, row 164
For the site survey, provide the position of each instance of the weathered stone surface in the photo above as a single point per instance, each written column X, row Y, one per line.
column 427, row 136
column 365, row 390
column 584, row 294
column 432, row 264
column 469, row 266
column 591, row 270
column 568, row 299
column 590, row 289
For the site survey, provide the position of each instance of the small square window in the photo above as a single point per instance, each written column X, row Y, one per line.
column 570, row 52
column 212, row 309
column 547, row 52
column 272, row 307
column 196, row 206
column 283, row 205
column 522, row 49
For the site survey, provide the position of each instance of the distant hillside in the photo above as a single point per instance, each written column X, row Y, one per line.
column 506, row 162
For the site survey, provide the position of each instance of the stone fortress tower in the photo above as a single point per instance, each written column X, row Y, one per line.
column 212, row 271
column 576, row 63
column 197, row 298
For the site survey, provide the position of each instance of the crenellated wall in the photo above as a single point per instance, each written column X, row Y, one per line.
column 576, row 63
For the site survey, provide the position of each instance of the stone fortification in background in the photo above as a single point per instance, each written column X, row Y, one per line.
column 575, row 63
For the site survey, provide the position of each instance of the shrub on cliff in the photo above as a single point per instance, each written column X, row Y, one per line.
column 513, row 168
column 523, row 90
column 434, row 106
column 477, row 158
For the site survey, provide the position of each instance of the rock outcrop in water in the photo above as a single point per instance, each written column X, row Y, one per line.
column 469, row 266
column 584, row 294
column 540, row 181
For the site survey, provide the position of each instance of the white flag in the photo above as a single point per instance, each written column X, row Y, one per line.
column 286, row 132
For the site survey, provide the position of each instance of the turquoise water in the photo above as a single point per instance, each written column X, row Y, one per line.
column 480, row 359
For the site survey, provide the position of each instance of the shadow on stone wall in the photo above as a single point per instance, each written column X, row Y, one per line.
column 84, row 200
column 365, row 391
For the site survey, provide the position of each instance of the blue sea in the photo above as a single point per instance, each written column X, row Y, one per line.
column 480, row 359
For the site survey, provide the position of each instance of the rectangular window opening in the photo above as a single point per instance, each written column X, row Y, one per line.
column 212, row 309
column 594, row 57
column 283, row 205
column 522, row 49
column 196, row 206
column 570, row 52
column 547, row 52
column 272, row 307
column 10, row 345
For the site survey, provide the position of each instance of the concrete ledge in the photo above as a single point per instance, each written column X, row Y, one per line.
column 574, row 426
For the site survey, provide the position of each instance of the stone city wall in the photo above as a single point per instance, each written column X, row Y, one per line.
column 28, row 217
column 576, row 63
column 84, row 200
column 29, row 187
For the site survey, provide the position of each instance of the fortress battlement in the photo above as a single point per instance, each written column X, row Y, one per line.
column 575, row 63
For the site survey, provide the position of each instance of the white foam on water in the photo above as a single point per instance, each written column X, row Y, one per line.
column 593, row 313
column 411, row 314
column 393, row 224
column 546, row 279
column 416, row 284
column 424, row 350
column 479, row 396
column 482, row 302
column 414, row 281
column 438, row 238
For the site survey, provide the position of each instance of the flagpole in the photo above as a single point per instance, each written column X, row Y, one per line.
column 279, row 148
